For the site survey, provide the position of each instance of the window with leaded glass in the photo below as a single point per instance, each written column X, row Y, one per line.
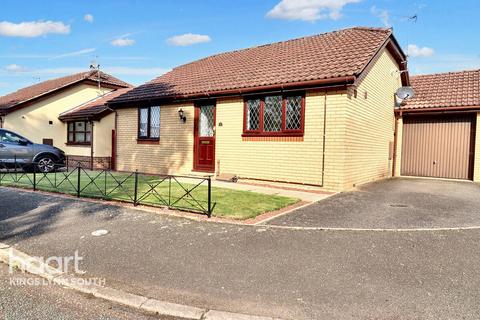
column 149, row 122
column 206, row 123
column 79, row 132
column 274, row 115
column 293, row 113
column 253, row 114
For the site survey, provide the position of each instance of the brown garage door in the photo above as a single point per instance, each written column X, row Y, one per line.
column 440, row 147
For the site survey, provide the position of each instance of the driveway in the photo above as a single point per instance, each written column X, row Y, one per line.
column 394, row 203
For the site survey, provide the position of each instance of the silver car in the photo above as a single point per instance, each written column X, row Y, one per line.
column 18, row 152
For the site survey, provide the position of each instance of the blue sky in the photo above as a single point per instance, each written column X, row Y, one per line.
column 139, row 40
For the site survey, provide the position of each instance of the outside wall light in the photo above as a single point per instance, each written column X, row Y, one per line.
column 182, row 116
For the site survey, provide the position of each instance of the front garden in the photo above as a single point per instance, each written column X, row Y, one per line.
column 182, row 193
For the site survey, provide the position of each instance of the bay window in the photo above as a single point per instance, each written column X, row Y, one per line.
column 274, row 115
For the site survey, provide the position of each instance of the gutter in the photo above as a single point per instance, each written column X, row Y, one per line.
column 340, row 81
column 437, row 110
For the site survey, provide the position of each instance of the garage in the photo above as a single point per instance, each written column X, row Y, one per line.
column 436, row 130
column 439, row 146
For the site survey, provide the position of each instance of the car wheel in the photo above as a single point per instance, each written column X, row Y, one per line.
column 46, row 164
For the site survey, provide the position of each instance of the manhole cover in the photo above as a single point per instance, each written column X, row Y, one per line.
column 99, row 233
column 398, row 205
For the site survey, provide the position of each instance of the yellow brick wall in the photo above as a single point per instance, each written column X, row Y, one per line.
column 270, row 159
column 174, row 153
column 370, row 124
column 335, row 140
column 476, row 171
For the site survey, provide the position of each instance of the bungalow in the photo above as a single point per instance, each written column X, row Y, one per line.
column 49, row 113
column 317, row 110
column 100, row 119
column 438, row 129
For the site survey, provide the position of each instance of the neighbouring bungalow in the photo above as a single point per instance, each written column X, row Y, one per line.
column 58, row 112
column 99, row 119
column 438, row 129
column 317, row 110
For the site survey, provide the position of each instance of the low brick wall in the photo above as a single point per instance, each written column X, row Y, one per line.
column 99, row 163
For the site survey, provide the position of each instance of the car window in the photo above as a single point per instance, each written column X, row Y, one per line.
column 10, row 138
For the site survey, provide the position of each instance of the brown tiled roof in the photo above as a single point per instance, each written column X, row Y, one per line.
column 445, row 90
column 94, row 108
column 321, row 57
column 15, row 99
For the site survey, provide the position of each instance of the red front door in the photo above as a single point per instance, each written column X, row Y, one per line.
column 204, row 147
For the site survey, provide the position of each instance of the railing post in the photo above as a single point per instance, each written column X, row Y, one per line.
column 105, row 185
column 169, row 190
column 34, row 178
column 78, row 180
column 135, row 194
column 15, row 167
column 209, row 197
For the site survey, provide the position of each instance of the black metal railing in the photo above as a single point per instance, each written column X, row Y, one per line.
column 187, row 193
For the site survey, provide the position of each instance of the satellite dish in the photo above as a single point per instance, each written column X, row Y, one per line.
column 404, row 93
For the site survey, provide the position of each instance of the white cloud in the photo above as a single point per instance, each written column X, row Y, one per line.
column 415, row 51
column 309, row 10
column 32, row 29
column 15, row 68
column 88, row 17
column 122, row 42
column 73, row 54
column 188, row 39
column 383, row 15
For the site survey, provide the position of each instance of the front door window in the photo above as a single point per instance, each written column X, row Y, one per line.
column 206, row 121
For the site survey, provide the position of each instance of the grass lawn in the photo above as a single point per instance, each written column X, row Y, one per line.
column 153, row 191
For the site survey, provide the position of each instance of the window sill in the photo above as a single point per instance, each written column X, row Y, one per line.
column 274, row 138
column 148, row 141
column 79, row 144
column 280, row 134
